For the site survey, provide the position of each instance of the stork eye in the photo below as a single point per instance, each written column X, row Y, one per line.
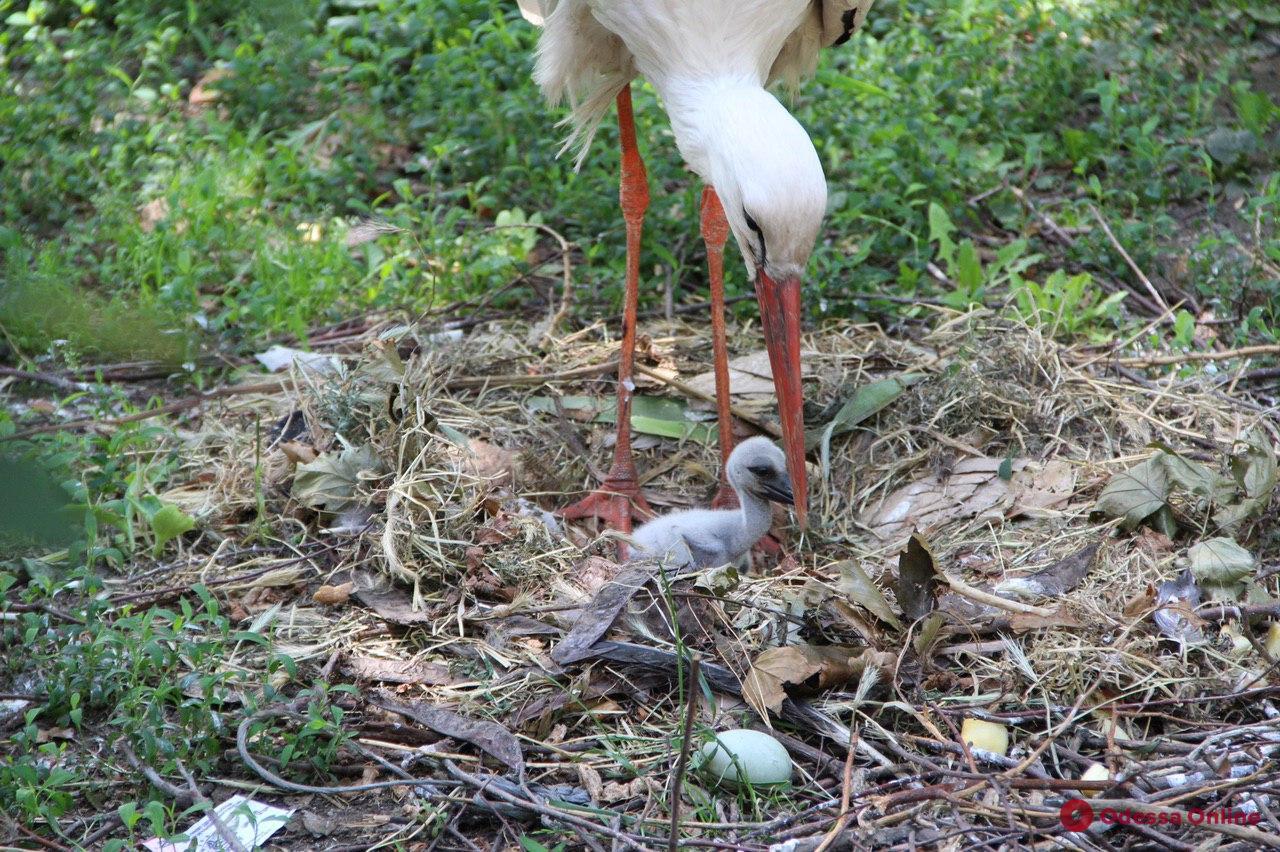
column 763, row 471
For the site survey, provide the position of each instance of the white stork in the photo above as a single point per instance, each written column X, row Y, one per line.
column 710, row 61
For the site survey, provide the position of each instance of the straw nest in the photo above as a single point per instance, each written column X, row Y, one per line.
column 413, row 484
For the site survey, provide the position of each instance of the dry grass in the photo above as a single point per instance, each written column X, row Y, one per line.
column 457, row 539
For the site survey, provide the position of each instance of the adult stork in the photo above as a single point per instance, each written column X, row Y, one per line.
column 710, row 61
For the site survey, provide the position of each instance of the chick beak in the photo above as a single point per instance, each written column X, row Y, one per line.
column 780, row 319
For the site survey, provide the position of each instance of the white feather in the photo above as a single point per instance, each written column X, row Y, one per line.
column 585, row 53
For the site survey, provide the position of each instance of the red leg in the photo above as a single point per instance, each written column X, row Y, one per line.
column 618, row 499
column 715, row 233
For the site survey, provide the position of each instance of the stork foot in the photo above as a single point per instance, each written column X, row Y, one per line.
column 617, row 502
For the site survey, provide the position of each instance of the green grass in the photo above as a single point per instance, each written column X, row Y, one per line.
column 420, row 113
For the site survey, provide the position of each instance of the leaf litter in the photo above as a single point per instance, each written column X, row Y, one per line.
column 977, row 452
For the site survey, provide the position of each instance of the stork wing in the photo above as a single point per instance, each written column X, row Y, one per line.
column 829, row 23
column 533, row 11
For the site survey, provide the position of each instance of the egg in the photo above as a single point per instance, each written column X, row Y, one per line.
column 986, row 736
column 1095, row 772
column 744, row 756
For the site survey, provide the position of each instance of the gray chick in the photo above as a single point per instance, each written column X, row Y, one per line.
column 705, row 538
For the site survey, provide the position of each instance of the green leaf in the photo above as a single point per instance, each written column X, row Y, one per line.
column 650, row 415
column 1220, row 560
column 859, row 588
column 866, row 401
column 329, row 483
column 1136, row 493
column 168, row 523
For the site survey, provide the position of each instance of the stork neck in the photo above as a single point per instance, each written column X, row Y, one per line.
column 756, row 516
column 705, row 112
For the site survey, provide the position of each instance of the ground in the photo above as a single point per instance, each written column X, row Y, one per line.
column 1043, row 332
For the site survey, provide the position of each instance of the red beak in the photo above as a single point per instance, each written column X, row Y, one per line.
column 780, row 318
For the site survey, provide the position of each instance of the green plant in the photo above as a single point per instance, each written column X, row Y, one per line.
column 1068, row 306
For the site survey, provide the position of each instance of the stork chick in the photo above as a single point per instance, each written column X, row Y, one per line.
column 705, row 538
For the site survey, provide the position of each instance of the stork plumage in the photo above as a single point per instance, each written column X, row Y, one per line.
column 705, row 538
column 710, row 61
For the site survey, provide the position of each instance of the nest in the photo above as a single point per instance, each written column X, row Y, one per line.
column 451, row 585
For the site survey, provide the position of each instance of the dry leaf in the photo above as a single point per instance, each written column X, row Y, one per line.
column 1056, row 579
column 153, row 213
column 333, row 595
column 44, row 735
column 298, row 452
column 861, row 589
column 1140, row 604
column 749, row 375
column 591, row 782
column 365, row 667
column 1022, row 622
column 973, row 488
column 917, row 579
column 487, row 736
column 203, row 93
column 814, row 667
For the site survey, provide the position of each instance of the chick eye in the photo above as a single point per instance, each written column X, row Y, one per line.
column 763, row 471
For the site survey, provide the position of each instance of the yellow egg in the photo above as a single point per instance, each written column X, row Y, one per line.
column 988, row 736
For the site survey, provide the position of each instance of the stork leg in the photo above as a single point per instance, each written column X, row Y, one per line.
column 715, row 233
column 618, row 499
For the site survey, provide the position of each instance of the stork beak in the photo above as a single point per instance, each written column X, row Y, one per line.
column 780, row 318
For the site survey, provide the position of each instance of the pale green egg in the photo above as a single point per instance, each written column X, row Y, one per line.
column 743, row 756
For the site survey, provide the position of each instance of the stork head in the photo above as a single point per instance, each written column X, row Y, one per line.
column 757, row 467
column 767, row 174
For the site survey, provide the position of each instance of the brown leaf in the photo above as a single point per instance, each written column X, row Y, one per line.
column 298, row 452
column 973, row 488
column 591, row 782
column 396, row 671
column 390, row 602
column 814, row 667
column 44, row 735
column 489, row 737
column 1022, row 622
column 153, row 213
column 1141, row 604
column 333, row 595
column 1056, row 579
column 599, row 614
column 917, row 578
column 486, row 461
column 203, row 93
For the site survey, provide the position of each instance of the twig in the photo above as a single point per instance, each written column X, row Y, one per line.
column 846, row 790
column 526, row 380
column 689, row 390
column 44, row 378
column 224, row 831
column 553, row 813
column 1051, row 226
column 682, row 765
column 242, row 746
column 1217, row 355
column 171, row 408
column 964, row 589
column 180, row 796
column 1146, row 282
